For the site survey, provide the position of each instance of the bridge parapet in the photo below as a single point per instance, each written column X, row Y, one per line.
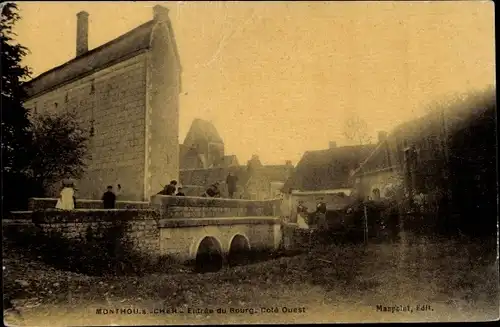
column 199, row 207
column 35, row 204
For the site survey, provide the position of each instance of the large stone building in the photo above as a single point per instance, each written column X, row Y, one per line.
column 126, row 93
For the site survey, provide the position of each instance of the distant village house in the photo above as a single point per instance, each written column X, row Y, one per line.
column 203, row 162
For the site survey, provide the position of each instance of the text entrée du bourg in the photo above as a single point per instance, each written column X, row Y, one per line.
column 168, row 311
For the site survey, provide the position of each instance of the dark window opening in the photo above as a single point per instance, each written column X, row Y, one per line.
column 92, row 131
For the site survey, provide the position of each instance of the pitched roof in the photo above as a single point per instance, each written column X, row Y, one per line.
column 202, row 129
column 124, row 47
column 454, row 117
column 189, row 158
column 327, row 169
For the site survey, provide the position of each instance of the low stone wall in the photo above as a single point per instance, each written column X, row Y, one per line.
column 50, row 203
column 172, row 227
column 141, row 225
column 200, row 207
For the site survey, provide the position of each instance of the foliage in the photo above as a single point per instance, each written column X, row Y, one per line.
column 60, row 149
column 16, row 135
column 356, row 130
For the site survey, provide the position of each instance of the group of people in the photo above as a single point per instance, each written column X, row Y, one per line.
column 67, row 198
column 213, row 191
column 171, row 189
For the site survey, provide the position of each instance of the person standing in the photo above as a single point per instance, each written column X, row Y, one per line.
column 66, row 200
column 231, row 182
column 109, row 198
column 118, row 192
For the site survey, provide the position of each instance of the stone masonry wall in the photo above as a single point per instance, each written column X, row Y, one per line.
column 172, row 226
column 199, row 207
column 114, row 99
column 142, row 225
column 162, row 118
column 183, row 243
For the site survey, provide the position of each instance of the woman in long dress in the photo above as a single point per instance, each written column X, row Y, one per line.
column 66, row 198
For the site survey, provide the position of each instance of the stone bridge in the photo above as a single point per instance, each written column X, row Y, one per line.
column 185, row 228
column 191, row 226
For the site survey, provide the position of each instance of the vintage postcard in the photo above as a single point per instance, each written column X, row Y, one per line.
column 171, row 163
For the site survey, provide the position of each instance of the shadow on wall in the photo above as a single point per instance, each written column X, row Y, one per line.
column 104, row 251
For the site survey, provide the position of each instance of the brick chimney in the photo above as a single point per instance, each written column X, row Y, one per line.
column 382, row 136
column 332, row 145
column 160, row 13
column 82, row 33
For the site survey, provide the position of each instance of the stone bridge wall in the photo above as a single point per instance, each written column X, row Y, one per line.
column 200, row 207
column 171, row 226
column 141, row 225
column 50, row 203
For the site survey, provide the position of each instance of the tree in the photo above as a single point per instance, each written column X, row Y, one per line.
column 15, row 121
column 16, row 135
column 60, row 149
column 356, row 130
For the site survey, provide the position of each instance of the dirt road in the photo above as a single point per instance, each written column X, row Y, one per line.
column 416, row 279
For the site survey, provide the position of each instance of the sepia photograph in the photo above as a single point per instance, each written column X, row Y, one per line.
column 248, row 162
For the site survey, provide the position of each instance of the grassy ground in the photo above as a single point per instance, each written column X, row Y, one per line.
column 458, row 280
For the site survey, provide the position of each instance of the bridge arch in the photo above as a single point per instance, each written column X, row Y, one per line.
column 239, row 250
column 209, row 255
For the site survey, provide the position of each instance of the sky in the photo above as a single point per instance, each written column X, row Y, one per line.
column 281, row 78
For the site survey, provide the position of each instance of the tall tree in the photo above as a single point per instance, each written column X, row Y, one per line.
column 16, row 135
column 59, row 149
column 15, row 121
column 356, row 130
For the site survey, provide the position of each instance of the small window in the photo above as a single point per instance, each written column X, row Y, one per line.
column 92, row 130
column 56, row 105
column 92, row 87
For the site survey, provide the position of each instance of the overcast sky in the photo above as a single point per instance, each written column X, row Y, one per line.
column 278, row 79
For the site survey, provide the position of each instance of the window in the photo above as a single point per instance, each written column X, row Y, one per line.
column 92, row 87
column 92, row 131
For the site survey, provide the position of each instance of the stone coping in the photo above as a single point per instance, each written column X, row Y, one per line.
column 10, row 222
column 191, row 201
column 50, row 203
column 88, row 200
column 194, row 222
